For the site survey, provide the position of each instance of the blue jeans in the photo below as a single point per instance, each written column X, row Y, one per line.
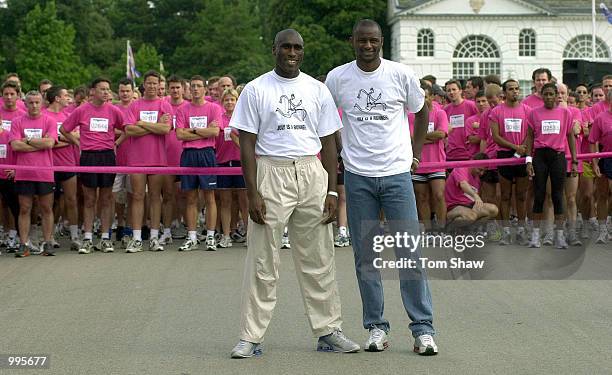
column 365, row 196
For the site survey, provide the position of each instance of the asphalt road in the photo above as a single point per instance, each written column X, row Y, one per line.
column 177, row 313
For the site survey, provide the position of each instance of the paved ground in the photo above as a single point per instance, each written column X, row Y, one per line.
column 177, row 313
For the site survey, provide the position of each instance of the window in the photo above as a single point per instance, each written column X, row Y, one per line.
column 425, row 42
column 525, row 85
column 527, row 43
column 580, row 48
column 476, row 55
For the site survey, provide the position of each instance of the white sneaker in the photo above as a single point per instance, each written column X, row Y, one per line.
column 189, row 245
column 154, row 245
column 285, row 244
column 425, row 345
column 75, row 244
column 106, row 245
column 225, row 242
column 560, row 242
column 134, row 246
column 165, row 239
column 211, row 244
column 548, row 239
column 245, row 349
column 535, row 240
column 86, row 247
column 602, row 238
column 377, row 342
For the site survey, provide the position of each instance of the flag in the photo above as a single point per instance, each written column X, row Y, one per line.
column 131, row 71
column 606, row 12
column 161, row 66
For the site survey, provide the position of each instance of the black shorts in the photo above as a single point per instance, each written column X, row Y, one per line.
column 63, row 176
column 490, row 176
column 98, row 158
column 34, row 187
column 230, row 181
column 471, row 205
column 605, row 167
column 510, row 172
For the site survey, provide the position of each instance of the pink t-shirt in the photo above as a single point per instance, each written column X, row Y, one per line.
column 432, row 152
column 511, row 121
column 598, row 108
column 533, row 101
column 454, row 194
column 472, row 127
column 174, row 146
column 602, row 131
column 62, row 155
column 199, row 116
column 225, row 147
column 96, row 125
column 6, row 152
column 456, row 148
column 7, row 117
column 550, row 127
column 486, row 134
column 36, row 128
column 576, row 116
column 584, row 147
column 148, row 150
column 122, row 149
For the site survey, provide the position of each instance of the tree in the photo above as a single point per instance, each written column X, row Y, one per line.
column 45, row 49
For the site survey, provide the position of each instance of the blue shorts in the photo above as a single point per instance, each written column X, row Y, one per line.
column 230, row 181
column 198, row 157
column 605, row 167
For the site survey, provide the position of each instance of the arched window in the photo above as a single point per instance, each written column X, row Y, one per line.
column 580, row 48
column 527, row 42
column 425, row 42
column 476, row 55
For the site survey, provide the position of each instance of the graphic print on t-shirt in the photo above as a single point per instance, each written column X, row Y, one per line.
column 371, row 102
column 292, row 109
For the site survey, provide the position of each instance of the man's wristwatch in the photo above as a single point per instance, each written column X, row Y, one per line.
column 28, row 139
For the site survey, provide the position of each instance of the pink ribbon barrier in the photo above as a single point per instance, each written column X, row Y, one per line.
column 238, row 170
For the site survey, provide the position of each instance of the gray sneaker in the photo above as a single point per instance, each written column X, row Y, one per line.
column 336, row 342
column 548, row 239
column 377, row 342
column 87, row 247
column 154, row 245
column 245, row 349
column 573, row 239
column 602, row 238
column 425, row 345
column 75, row 244
column 225, row 242
column 134, row 246
column 535, row 240
column 584, row 232
column 521, row 238
column 106, row 246
column 506, row 239
column 560, row 242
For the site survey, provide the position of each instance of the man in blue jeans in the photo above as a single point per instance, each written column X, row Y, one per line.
column 374, row 95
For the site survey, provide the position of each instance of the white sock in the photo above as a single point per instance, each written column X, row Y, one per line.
column 154, row 233
column 342, row 231
column 210, row 233
column 88, row 236
column 74, row 232
column 193, row 235
column 12, row 233
column 167, row 232
column 137, row 234
column 105, row 236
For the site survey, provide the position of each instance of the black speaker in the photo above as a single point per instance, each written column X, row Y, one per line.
column 583, row 71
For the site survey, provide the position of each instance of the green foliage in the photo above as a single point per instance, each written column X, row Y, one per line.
column 45, row 48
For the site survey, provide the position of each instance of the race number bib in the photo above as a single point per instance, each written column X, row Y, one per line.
column 99, row 125
column 148, row 116
column 456, row 121
column 513, row 125
column 33, row 133
column 6, row 125
column 198, row 122
column 551, row 127
column 2, row 151
column 227, row 134
column 430, row 127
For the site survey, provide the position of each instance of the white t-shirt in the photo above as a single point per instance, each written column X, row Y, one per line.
column 288, row 115
column 375, row 135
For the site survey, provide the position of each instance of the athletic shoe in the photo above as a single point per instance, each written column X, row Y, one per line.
column 573, row 239
column 134, row 246
column 495, row 235
column 560, row 242
column 342, row 241
column 189, row 245
column 535, row 240
column 12, row 245
column 178, row 233
column 201, row 236
column 506, row 239
column 285, row 244
column 225, row 242
column 336, row 342
column 35, row 249
column 55, row 244
column 75, row 244
column 87, row 247
column 47, row 249
column 377, row 342
column 602, row 238
column 211, row 244
column 584, row 232
column 165, row 239
column 125, row 241
column 245, row 349
column 107, row 246
column 521, row 238
column 22, row 252
column 218, row 236
column 548, row 239
column 154, row 245
column 425, row 345
column 237, row 237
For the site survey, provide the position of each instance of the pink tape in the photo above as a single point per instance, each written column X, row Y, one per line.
column 227, row 171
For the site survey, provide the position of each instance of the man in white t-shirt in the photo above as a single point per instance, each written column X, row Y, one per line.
column 374, row 95
column 285, row 118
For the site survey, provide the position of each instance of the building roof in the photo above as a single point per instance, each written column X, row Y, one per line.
column 553, row 6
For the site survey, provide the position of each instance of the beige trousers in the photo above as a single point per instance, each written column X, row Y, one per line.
column 294, row 192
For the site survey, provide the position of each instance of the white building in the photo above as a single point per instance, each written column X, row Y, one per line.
column 511, row 38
